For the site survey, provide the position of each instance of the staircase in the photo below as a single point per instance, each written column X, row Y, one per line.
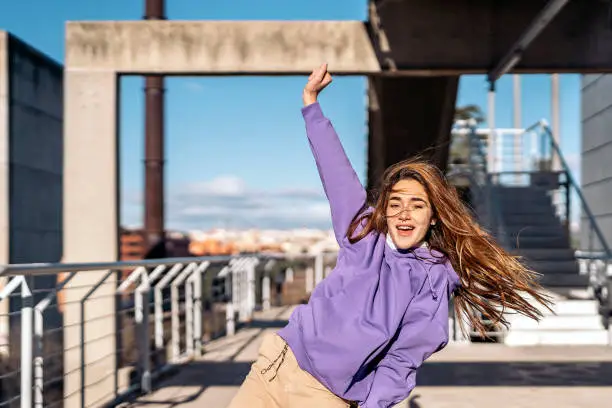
column 515, row 202
column 574, row 322
column 531, row 229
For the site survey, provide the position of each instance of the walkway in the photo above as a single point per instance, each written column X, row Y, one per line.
column 461, row 376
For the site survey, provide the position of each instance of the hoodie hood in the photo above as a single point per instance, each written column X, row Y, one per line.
column 424, row 253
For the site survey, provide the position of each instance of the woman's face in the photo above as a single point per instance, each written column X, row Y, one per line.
column 409, row 214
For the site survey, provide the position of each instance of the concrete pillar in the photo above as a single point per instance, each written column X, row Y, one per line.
column 90, row 234
column 407, row 116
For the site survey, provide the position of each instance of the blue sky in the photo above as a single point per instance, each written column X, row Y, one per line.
column 235, row 147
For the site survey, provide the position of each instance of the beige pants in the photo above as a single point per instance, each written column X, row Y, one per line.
column 276, row 380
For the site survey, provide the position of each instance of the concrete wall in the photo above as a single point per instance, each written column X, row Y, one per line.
column 596, row 154
column 35, row 155
column 30, row 171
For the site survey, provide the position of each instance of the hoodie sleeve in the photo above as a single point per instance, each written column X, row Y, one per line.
column 342, row 187
column 424, row 331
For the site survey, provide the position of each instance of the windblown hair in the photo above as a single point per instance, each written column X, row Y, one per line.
column 493, row 281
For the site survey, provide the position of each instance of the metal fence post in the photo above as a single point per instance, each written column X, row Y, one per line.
column 38, row 341
column 176, row 352
column 235, row 294
column 318, row 269
column 289, row 275
column 240, row 297
column 189, row 303
column 309, row 279
column 265, row 292
column 26, row 343
column 142, row 320
column 266, row 285
column 244, row 291
column 230, row 322
column 251, row 295
column 159, row 305
column 38, row 358
column 197, row 307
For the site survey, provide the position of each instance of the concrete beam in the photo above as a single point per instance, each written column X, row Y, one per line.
column 220, row 47
column 466, row 36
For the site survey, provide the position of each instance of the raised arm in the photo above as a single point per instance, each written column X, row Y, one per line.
column 342, row 187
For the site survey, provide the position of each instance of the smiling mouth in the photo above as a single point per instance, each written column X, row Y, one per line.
column 404, row 228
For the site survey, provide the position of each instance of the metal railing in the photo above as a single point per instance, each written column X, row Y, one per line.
column 485, row 207
column 549, row 170
column 532, row 157
column 93, row 334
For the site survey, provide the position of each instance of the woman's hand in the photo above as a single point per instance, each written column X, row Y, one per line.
column 317, row 81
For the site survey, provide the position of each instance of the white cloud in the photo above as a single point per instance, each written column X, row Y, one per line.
column 222, row 186
column 194, row 86
column 227, row 201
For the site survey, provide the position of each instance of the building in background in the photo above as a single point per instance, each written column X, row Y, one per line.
column 31, row 121
column 596, row 150
column 229, row 242
column 132, row 244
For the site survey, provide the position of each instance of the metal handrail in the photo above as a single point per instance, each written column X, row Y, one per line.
column 597, row 264
column 493, row 209
column 36, row 269
column 147, row 277
column 572, row 181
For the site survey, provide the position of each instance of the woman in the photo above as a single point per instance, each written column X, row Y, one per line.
column 372, row 322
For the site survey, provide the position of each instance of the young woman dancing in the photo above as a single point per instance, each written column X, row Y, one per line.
column 384, row 309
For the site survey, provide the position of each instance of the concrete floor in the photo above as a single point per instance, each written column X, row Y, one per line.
column 460, row 376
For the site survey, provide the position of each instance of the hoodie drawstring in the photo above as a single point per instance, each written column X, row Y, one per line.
column 431, row 286
column 280, row 356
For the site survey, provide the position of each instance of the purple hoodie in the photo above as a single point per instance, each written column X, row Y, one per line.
column 373, row 321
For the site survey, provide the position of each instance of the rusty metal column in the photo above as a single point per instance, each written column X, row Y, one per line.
column 154, row 147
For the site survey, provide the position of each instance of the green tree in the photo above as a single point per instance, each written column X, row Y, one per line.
column 469, row 112
column 459, row 148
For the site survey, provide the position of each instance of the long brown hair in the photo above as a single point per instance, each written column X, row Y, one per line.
column 492, row 281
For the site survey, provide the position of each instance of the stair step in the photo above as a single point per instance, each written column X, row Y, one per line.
column 537, row 242
column 522, row 190
column 569, row 308
column 535, row 254
column 553, row 267
column 565, row 281
column 530, row 220
column 512, row 209
column 509, row 201
column 506, row 197
column 559, row 322
column 556, row 337
column 533, row 231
